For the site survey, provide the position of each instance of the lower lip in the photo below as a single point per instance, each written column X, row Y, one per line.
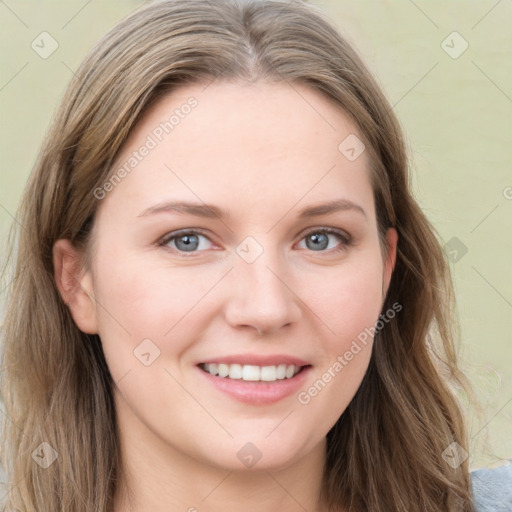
column 258, row 392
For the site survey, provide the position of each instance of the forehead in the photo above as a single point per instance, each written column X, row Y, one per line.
column 229, row 142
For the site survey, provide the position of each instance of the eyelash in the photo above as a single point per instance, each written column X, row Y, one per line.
column 345, row 239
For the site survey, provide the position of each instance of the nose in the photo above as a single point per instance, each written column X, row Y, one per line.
column 261, row 297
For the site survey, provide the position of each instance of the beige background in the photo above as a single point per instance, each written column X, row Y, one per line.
column 456, row 111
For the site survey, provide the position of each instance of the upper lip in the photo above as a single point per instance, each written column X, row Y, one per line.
column 257, row 360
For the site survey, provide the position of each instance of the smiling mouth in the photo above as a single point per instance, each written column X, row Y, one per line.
column 252, row 373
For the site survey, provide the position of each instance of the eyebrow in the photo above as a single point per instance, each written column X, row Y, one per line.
column 331, row 207
column 211, row 211
column 197, row 209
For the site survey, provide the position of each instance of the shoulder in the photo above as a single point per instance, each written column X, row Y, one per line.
column 492, row 489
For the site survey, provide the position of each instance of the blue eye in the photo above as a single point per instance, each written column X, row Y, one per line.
column 319, row 240
column 324, row 239
column 189, row 241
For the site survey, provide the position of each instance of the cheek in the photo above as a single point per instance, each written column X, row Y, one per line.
column 348, row 305
column 149, row 299
column 136, row 303
column 349, row 300
column 145, row 322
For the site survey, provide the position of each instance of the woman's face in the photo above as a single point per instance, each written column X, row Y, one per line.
column 241, row 240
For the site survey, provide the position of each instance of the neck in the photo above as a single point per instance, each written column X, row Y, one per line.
column 156, row 477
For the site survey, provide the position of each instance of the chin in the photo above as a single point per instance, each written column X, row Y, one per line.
column 260, row 455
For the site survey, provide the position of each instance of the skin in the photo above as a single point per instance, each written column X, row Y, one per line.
column 261, row 152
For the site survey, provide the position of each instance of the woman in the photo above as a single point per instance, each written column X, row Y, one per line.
column 225, row 292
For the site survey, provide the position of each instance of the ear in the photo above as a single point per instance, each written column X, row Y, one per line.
column 75, row 285
column 389, row 264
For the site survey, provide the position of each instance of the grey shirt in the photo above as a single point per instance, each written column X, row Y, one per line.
column 492, row 489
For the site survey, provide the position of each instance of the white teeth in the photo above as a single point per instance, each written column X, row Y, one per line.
column 269, row 373
column 223, row 370
column 252, row 373
column 290, row 370
column 235, row 371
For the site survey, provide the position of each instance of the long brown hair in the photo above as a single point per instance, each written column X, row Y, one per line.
column 385, row 451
